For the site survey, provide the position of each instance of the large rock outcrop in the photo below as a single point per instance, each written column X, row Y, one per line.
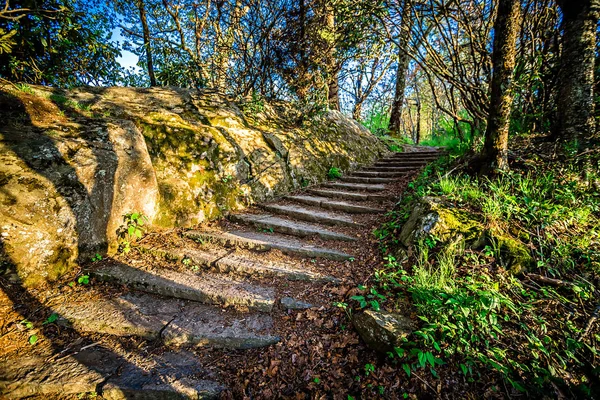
column 73, row 163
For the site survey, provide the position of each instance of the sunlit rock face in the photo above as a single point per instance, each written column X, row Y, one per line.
column 73, row 163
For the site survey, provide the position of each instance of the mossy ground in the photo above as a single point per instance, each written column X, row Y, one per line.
column 506, row 287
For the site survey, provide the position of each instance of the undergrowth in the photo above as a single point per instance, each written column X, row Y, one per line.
column 533, row 328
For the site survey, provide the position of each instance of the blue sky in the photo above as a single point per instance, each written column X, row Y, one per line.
column 127, row 59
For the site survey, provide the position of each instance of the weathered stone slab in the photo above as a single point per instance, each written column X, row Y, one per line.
column 355, row 186
column 362, row 179
column 264, row 242
column 321, row 217
column 389, row 169
column 289, row 227
column 205, row 288
column 374, row 174
column 237, row 264
column 401, row 163
column 339, row 194
column 199, row 325
column 293, row 304
column 334, row 205
column 177, row 322
column 381, row 330
column 205, row 257
column 171, row 375
column 119, row 316
column 33, row 376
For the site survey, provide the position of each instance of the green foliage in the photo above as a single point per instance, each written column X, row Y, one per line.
column 83, row 280
column 370, row 299
column 475, row 314
column 59, row 42
column 131, row 230
column 253, row 106
column 377, row 121
column 65, row 102
column 334, row 173
column 455, row 142
column 97, row 257
column 25, row 88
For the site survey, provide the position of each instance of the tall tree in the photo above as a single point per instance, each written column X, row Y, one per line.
column 147, row 45
column 575, row 101
column 401, row 69
column 503, row 62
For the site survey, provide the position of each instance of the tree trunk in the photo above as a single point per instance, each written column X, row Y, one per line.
column 575, row 101
column 357, row 110
column 503, row 61
column 403, row 60
column 333, row 85
column 147, row 46
column 417, row 139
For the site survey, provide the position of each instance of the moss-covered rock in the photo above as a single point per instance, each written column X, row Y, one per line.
column 433, row 216
column 69, row 170
column 438, row 218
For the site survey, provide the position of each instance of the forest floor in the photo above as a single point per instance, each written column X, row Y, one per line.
column 320, row 355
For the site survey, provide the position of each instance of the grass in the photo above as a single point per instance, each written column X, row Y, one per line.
column 477, row 317
column 334, row 173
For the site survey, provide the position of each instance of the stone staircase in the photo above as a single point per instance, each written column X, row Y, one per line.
column 224, row 285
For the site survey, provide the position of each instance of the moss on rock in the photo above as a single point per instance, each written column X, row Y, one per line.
column 178, row 156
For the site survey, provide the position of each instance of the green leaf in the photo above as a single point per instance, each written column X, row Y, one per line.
column 430, row 358
column 406, row 369
column 33, row 339
column 51, row 319
column 131, row 230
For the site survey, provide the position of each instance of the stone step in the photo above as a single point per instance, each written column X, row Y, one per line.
column 355, row 186
column 205, row 288
column 223, row 261
column 288, row 227
column 329, row 204
column 247, row 266
column 411, row 157
column 389, row 169
column 362, row 179
column 339, row 194
column 175, row 322
column 265, row 242
column 374, row 174
column 110, row 374
column 305, row 214
column 400, row 163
